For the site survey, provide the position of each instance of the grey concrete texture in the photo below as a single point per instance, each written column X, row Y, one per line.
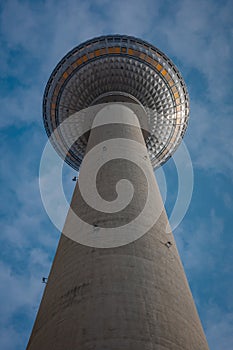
column 132, row 297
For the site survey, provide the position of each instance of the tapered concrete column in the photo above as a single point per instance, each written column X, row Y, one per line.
column 131, row 297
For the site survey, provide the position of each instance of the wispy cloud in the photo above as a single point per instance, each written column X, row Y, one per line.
column 219, row 326
column 209, row 137
column 197, row 35
column 200, row 34
column 204, row 245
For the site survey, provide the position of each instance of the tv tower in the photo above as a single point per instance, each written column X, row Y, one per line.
column 115, row 108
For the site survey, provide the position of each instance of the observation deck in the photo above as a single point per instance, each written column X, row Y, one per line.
column 117, row 68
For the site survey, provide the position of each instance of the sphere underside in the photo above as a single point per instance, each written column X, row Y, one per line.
column 117, row 65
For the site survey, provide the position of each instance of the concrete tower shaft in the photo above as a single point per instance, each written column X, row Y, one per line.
column 131, row 297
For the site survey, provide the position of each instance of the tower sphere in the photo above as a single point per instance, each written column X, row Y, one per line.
column 123, row 69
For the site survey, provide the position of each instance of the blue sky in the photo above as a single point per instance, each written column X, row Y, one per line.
column 197, row 36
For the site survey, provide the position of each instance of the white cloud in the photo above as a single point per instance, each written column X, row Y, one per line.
column 203, row 246
column 219, row 326
column 200, row 34
column 209, row 138
column 21, row 292
column 197, row 241
column 10, row 339
column 21, row 108
column 34, row 36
